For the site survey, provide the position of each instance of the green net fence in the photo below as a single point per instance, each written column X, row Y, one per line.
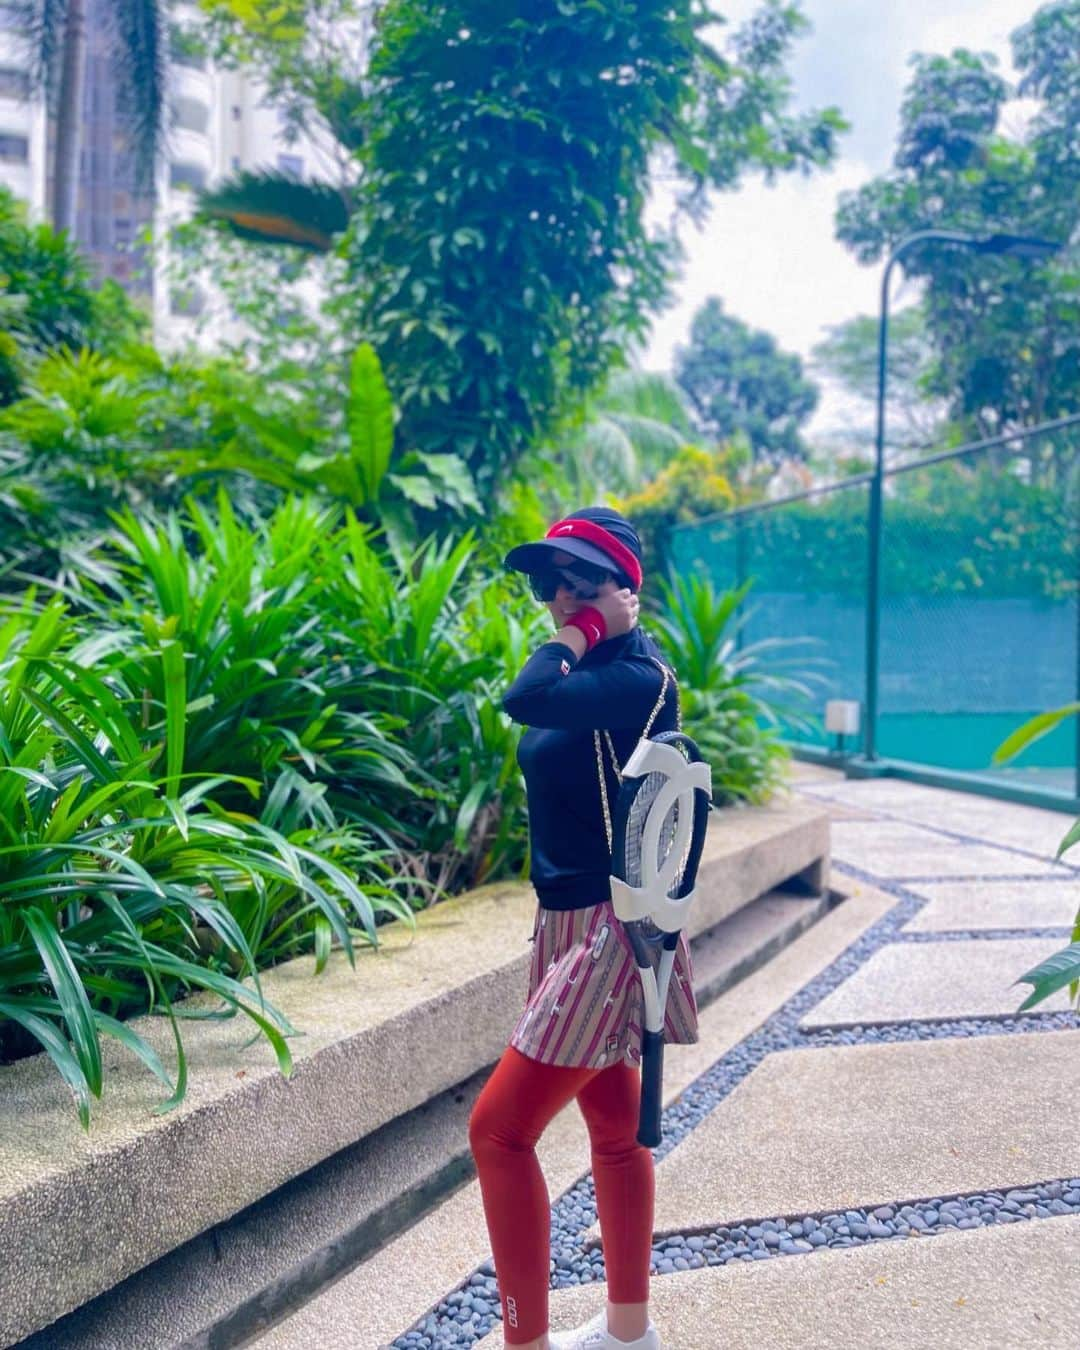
column 979, row 622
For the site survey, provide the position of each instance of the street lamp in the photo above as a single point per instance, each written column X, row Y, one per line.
column 1009, row 245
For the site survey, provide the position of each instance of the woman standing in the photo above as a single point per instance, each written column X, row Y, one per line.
column 586, row 697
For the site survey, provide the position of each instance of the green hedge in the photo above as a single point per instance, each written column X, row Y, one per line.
column 947, row 531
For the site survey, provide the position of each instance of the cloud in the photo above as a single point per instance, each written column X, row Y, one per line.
column 769, row 253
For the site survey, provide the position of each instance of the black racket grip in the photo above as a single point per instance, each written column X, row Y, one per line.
column 652, row 1079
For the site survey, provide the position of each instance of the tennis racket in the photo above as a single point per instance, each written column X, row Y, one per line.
column 658, row 832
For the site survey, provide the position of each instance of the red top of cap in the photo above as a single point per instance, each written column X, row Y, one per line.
column 588, row 530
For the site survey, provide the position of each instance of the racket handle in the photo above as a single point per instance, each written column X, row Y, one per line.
column 652, row 1078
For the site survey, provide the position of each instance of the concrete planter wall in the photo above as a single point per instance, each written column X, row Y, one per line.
column 79, row 1213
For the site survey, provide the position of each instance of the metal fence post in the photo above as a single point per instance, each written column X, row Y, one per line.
column 740, row 571
column 873, row 528
column 1076, row 719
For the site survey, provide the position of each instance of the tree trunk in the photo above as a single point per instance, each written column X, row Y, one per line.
column 69, row 116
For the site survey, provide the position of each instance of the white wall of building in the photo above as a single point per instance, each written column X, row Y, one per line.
column 22, row 122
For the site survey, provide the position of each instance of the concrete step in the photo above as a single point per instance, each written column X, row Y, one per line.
column 243, row 1275
column 751, row 937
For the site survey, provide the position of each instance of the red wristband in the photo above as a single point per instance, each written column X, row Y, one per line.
column 592, row 623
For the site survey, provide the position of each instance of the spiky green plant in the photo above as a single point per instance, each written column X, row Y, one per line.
column 1062, row 969
column 734, row 694
column 123, row 885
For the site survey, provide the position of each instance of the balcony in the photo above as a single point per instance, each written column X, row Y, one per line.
column 191, row 147
column 185, row 175
column 191, row 82
column 14, row 147
column 190, row 114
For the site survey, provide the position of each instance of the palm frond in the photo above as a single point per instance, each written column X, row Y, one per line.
column 654, row 442
column 275, row 208
column 140, row 38
column 610, row 457
column 40, row 27
column 648, row 394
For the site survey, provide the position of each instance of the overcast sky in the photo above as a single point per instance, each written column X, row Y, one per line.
column 769, row 253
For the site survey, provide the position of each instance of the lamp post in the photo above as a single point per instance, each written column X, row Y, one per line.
column 1012, row 245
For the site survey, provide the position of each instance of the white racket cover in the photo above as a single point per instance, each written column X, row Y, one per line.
column 650, row 900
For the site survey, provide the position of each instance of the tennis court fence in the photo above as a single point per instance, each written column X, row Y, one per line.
column 974, row 628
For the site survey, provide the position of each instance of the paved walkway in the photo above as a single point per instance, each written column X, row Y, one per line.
column 870, row 1099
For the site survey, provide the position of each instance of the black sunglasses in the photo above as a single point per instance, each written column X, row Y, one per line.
column 583, row 579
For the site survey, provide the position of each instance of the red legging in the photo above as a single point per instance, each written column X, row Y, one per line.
column 518, row 1101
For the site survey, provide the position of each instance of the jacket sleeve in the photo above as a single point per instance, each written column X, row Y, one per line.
column 550, row 693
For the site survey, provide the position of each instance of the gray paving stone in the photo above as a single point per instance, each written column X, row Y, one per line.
column 895, row 849
column 811, row 1131
column 965, row 905
column 928, row 981
column 989, row 1289
column 1030, row 828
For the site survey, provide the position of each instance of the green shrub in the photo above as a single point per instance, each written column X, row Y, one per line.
column 733, row 695
column 309, row 645
column 48, row 300
column 123, row 884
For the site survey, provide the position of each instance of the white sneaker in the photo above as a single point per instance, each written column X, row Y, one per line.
column 594, row 1335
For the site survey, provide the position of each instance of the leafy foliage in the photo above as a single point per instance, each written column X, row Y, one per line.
column 914, row 418
column 625, row 435
column 1005, row 332
column 491, row 325
column 737, row 381
column 122, row 884
column 482, row 319
column 733, row 695
column 953, row 528
column 48, row 300
column 1062, row 968
column 237, row 741
column 97, row 434
column 693, row 484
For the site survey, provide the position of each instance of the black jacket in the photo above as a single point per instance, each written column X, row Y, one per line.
column 562, row 701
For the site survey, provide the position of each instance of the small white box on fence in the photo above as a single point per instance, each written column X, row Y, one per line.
column 842, row 716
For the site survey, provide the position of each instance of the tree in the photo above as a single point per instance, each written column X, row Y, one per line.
column 693, row 484
column 737, row 380
column 849, row 355
column 626, row 435
column 138, row 33
column 1006, row 332
column 498, row 254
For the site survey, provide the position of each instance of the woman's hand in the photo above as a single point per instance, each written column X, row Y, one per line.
column 618, row 606
column 620, row 610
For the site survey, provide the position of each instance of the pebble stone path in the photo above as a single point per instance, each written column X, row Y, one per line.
column 470, row 1311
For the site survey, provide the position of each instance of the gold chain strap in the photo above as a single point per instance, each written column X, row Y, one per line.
column 611, row 745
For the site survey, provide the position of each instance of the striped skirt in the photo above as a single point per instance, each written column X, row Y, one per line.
column 585, row 1006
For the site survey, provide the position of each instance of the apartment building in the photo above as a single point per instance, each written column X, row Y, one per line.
column 219, row 122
